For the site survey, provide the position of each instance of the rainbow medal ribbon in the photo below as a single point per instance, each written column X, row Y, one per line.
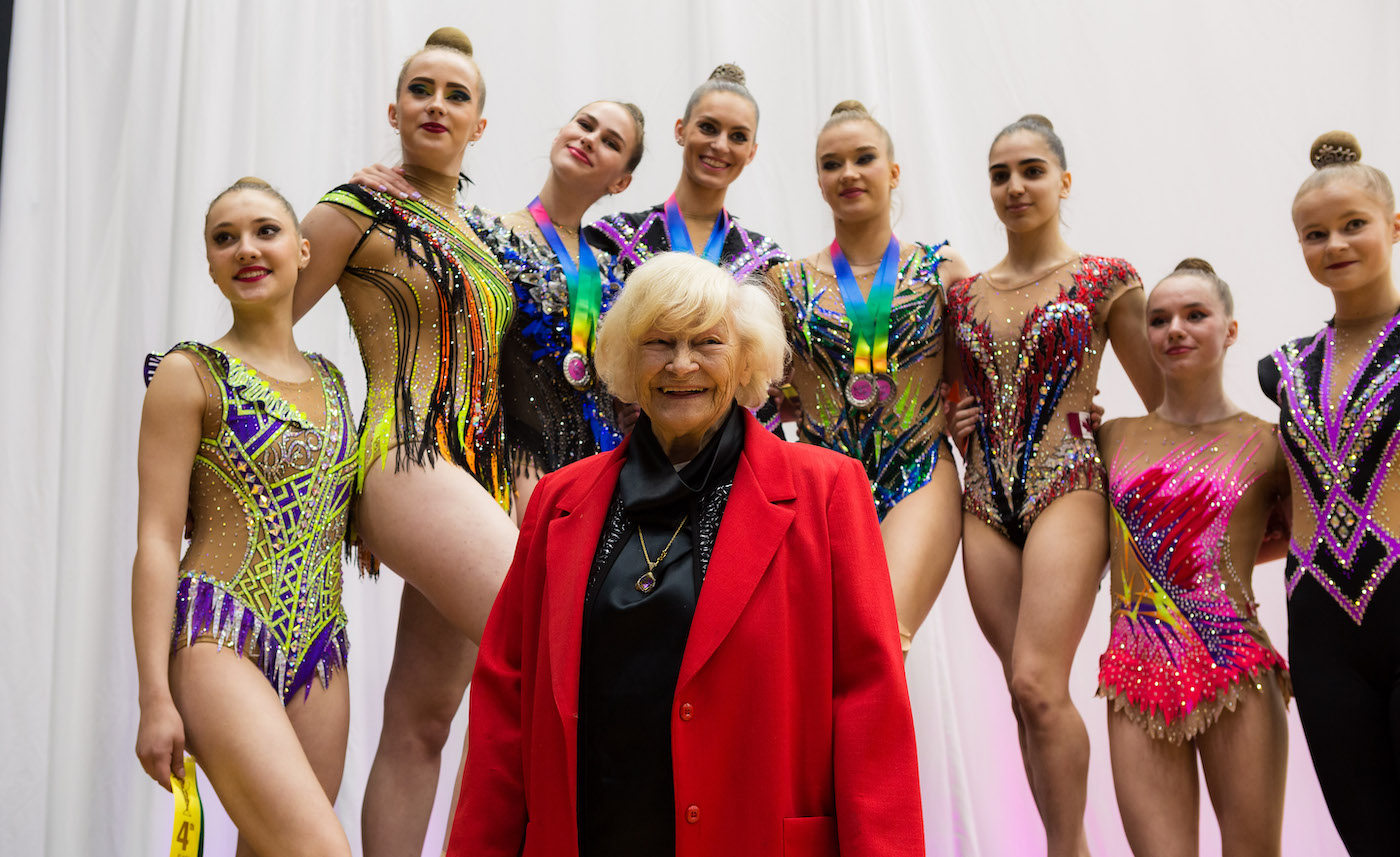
column 585, row 284
column 679, row 237
column 871, row 382
column 187, row 837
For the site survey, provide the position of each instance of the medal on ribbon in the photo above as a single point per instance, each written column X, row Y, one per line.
column 187, row 837
column 585, row 284
column 871, row 382
column 679, row 237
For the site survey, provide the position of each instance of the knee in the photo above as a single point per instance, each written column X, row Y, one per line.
column 1035, row 697
column 421, row 719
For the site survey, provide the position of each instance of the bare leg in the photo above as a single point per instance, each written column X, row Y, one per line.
column 1245, row 759
column 432, row 664
column 236, row 727
column 921, row 537
column 525, row 480
column 992, row 568
column 1065, row 552
column 452, row 544
column 1158, row 789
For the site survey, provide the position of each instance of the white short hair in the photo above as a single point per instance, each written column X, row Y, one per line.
column 681, row 293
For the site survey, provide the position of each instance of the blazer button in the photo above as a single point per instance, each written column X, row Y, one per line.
column 687, row 711
column 692, row 813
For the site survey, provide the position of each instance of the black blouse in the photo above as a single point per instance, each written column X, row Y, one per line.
column 634, row 638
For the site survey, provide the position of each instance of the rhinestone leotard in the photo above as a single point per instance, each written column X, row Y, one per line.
column 900, row 442
column 1190, row 505
column 631, row 239
column 1030, row 356
column 1341, row 438
column 429, row 306
column 549, row 423
column 269, row 500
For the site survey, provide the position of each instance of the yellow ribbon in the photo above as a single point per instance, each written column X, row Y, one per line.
column 187, row 837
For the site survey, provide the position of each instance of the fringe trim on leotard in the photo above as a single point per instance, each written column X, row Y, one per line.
column 1204, row 715
column 205, row 609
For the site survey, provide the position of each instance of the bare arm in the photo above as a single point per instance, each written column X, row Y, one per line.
column 1127, row 331
column 333, row 236
column 170, row 433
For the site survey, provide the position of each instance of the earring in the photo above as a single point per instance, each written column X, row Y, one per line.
column 396, row 130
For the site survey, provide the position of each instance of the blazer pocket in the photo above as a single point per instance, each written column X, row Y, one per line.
column 814, row 836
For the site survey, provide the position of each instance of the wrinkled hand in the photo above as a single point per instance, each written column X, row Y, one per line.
column 389, row 179
column 626, row 415
column 160, row 742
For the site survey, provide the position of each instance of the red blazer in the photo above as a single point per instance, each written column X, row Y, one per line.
column 791, row 733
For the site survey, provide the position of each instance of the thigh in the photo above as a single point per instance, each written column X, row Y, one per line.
column 1245, row 759
column 921, row 536
column 1157, row 787
column 1065, row 554
column 237, row 728
column 432, row 666
column 321, row 719
column 439, row 530
column 992, row 568
column 524, row 481
column 1347, row 723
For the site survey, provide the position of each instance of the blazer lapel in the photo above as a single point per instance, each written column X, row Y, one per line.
column 756, row 518
column 573, row 540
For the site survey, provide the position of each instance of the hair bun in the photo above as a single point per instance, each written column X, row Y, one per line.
column 850, row 105
column 252, row 181
column 449, row 37
column 730, row 72
column 1037, row 119
column 1334, row 147
column 1193, row 264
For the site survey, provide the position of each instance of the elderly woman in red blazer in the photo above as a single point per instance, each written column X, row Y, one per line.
column 695, row 651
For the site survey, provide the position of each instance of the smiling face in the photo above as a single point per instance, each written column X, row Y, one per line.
column 1347, row 236
column 1188, row 327
column 686, row 382
column 438, row 111
column 1027, row 181
column 854, row 170
column 591, row 152
column 718, row 140
column 253, row 248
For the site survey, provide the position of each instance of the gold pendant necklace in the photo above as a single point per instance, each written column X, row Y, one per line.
column 647, row 582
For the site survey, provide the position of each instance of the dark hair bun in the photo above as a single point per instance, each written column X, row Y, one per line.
column 1334, row 147
column 730, row 72
column 1193, row 264
column 850, row 105
column 449, row 37
column 1037, row 119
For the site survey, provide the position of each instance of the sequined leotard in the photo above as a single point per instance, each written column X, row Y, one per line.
column 1189, row 509
column 900, row 442
column 429, row 306
column 1338, row 393
column 549, row 423
column 1030, row 356
column 631, row 239
column 269, row 499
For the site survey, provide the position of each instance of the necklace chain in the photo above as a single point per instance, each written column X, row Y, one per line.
column 1037, row 278
column 647, row 582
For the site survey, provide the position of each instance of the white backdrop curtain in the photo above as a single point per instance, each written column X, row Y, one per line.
column 1186, row 125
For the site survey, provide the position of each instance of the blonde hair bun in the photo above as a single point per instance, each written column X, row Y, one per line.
column 850, row 105
column 1334, row 147
column 730, row 72
column 449, row 37
column 1037, row 119
column 248, row 182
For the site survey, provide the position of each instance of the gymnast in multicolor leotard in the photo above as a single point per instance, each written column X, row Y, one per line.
column 252, row 442
column 865, row 320
column 1029, row 334
column 1189, row 672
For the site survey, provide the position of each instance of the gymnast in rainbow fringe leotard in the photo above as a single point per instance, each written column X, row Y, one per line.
column 1189, row 671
